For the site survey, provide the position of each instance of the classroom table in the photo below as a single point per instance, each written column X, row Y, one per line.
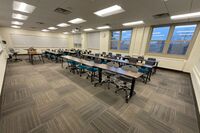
column 32, row 54
column 122, row 62
column 56, row 54
column 133, row 75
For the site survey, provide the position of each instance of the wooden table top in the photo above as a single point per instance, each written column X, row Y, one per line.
column 105, row 67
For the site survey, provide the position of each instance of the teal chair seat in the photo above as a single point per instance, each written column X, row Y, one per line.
column 92, row 69
column 143, row 70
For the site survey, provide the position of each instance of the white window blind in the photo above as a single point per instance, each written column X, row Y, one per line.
column 77, row 39
column 93, row 40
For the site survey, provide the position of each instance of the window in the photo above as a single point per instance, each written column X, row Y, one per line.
column 171, row 40
column 121, row 39
column 158, row 39
column 181, row 39
column 77, row 40
column 93, row 40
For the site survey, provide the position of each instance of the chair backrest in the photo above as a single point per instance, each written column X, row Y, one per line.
column 113, row 64
column 151, row 59
column 103, row 53
column 97, row 60
column 133, row 60
column 118, row 55
column 110, row 54
column 149, row 62
column 97, row 55
column 140, row 58
column 130, row 68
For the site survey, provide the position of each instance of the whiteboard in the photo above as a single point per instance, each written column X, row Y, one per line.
column 20, row 40
column 93, row 40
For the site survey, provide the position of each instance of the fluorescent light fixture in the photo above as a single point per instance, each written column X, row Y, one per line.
column 15, row 26
column 17, row 23
column 77, row 21
column 88, row 29
column 23, row 7
column 52, row 28
column 65, row 33
column 63, row 25
column 19, row 16
column 185, row 16
column 133, row 23
column 45, row 30
column 103, row 27
column 109, row 11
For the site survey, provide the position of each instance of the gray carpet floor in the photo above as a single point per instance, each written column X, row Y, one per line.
column 45, row 98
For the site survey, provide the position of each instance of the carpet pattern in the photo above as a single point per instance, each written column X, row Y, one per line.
column 44, row 98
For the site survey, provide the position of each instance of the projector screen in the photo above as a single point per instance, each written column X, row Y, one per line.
column 93, row 40
column 19, row 40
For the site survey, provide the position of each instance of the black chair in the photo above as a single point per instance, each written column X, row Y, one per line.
column 140, row 59
column 96, row 55
column 110, row 55
column 124, row 82
column 118, row 55
column 14, row 54
column 109, row 74
column 133, row 60
column 103, row 54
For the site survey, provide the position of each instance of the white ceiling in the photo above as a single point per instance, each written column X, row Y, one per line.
column 134, row 10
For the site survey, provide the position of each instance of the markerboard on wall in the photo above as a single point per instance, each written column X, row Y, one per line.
column 20, row 40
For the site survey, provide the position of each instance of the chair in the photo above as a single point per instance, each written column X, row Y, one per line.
column 103, row 54
column 140, row 59
column 109, row 74
column 123, row 82
column 118, row 55
column 133, row 60
column 147, row 70
column 109, row 55
column 12, row 54
column 96, row 55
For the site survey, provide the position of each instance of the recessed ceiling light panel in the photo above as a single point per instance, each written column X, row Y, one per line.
column 23, row 7
column 17, row 23
column 133, row 23
column 15, row 26
column 88, row 29
column 77, row 21
column 186, row 16
column 52, row 28
column 19, row 16
column 45, row 30
column 109, row 11
column 103, row 27
column 65, row 33
column 63, row 25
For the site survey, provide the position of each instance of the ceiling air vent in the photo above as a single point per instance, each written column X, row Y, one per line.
column 162, row 15
column 62, row 11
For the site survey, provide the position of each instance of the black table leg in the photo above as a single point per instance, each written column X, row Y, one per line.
column 100, row 77
column 62, row 62
column 31, row 59
column 132, row 92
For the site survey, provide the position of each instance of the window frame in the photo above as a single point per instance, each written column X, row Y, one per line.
column 119, row 41
column 167, row 44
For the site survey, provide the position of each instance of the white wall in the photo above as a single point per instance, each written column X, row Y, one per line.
column 3, row 59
